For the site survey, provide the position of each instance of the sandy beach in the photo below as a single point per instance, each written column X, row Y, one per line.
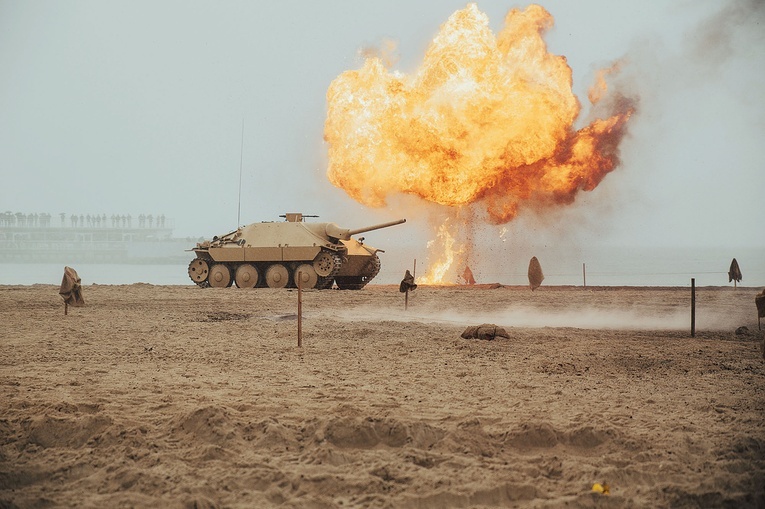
column 177, row 396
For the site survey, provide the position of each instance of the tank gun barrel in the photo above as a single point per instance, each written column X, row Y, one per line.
column 376, row 227
column 334, row 231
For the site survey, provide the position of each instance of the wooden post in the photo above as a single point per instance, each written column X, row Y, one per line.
column 300, row 309
column 693, row 307
column 66, row 308
column 584, row 276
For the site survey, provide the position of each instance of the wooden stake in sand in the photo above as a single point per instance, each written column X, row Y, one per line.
column 300, row 309
column 693, row 307
column 584, row 276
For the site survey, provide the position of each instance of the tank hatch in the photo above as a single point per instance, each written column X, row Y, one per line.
column 295, row 217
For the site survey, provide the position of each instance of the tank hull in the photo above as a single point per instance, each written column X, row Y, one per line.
column 279, row 255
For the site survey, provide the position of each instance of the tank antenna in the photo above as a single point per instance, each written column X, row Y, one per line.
column 241, row 156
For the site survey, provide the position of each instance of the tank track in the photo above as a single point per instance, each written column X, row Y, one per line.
column 359, row 282
column 325, row 282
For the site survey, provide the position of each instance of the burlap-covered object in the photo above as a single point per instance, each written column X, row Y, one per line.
column 535, row 274
column 407, row 283
column 71, row 290
column 467, row 275
column 487, row 331
column 734, row 273
column 759, row 301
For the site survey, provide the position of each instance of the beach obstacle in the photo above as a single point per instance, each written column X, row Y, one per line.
column 71, row 289
column 408, row 284
column 467, row 276
column 734, row 273
column 535, row 274
column 486, row 331
column 759, row 301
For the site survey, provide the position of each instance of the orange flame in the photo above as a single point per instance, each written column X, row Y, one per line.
column 486, row 119
column 444, row 244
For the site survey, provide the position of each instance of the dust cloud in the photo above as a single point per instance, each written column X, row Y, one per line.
column 525, row 316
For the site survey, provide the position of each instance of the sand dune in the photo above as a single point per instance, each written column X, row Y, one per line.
column 160, row 396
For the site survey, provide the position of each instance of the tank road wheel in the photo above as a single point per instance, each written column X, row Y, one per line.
column 198, row 272
column 308, row 276
column 220, row 276
column 325, row 263
column 277, row 276
column 246, row 276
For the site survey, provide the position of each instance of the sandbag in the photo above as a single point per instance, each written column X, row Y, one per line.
column 487, row 331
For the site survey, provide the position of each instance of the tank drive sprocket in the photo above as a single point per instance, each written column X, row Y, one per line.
column 325, row 263
column 324, row 282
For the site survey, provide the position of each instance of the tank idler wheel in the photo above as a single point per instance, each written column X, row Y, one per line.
column 198, row 271
column 246, row 276
column 324, row 264
column 308, row 277
column 277, row 276
column 220, row 276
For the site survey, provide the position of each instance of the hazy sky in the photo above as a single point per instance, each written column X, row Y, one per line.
column 137, row 107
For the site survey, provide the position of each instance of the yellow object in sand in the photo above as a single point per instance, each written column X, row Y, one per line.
column 601, row 488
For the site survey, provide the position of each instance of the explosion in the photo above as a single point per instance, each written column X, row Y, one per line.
column 485, row 121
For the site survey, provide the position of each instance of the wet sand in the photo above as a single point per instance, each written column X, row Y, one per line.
column 176, row 396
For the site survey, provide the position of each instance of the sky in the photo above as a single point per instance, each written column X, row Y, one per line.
column 158, row 107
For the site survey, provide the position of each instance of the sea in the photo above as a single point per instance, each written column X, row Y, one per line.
column 602, row 267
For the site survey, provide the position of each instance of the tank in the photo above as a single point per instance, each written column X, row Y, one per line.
column 272, row 254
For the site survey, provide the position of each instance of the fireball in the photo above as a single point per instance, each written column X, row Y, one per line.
column 487, row 120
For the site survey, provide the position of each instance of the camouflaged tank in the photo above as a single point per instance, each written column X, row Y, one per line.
column 272, row 254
